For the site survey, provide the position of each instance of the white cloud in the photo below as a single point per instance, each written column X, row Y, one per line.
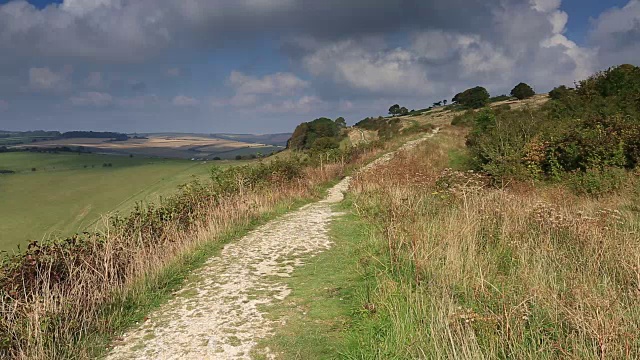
column 546, row 5
column 275, row 84
column 83, row 7
column 616, row 35
column 44, row 79
column 250, row 92
column 92, row 99
column 366, row 68
column 303, row 105
column 184, row 101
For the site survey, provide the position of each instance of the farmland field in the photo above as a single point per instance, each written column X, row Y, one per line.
column 60, row 194
column 174, row 146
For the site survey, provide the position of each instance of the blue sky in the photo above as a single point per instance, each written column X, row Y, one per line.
column 265, row 66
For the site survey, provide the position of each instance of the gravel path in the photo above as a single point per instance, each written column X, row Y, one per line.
column 216, row 316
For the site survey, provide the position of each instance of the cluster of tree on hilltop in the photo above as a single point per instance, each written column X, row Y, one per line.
column 35, row 133
column 478, row 97
column 95, row 135
column 319, row 134
column 588, row 135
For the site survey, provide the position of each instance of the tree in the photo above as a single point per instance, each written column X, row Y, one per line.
column 341, row 122
column 436, row 104
column 474, row 98
column 444, row 102
column 522, row 91
column 394, row 110
column 403, row 111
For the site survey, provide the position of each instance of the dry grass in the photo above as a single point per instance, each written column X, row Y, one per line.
column 473, row 271
column 104, row 280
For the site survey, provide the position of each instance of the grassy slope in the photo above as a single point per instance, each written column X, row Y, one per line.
column 62, row 196
column 425, row 272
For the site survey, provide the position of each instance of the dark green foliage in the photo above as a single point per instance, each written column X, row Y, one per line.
column 596, row 182
column 560, row 92
column 522, row 91
column 500, row 98
column 386, row 128
column 587, row 136
column 325, row 143
column 371, row 123
column 306, row 134
column 93, row 134
column 341, row 122
column 394, row 110
column 473, row 98
column 389, row 129
column 5, row 171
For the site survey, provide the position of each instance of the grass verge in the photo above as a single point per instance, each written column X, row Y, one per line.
column 319, row 312
column 150, row 293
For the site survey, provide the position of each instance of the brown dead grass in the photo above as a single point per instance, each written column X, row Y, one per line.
column 528, row 271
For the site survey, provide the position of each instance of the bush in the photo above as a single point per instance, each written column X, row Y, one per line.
column 560, row 92
column 581, row 132
column 522, row 91
column 597, row 182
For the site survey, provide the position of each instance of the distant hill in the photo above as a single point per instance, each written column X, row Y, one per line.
column 279, row 139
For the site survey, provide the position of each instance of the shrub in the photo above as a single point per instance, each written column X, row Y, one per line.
column 597, row 182
column 560, row 92
column 581, row 132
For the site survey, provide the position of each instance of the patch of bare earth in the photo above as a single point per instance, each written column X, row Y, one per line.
column 216, row 315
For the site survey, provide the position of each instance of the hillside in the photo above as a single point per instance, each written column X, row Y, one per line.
column 483, row 229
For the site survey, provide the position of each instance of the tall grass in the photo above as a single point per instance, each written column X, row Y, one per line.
column 58, row 297
column 461, row 269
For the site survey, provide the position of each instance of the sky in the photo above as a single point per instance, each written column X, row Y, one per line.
column 264, row 66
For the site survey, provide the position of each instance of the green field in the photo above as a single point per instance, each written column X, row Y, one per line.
column 68, row 193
